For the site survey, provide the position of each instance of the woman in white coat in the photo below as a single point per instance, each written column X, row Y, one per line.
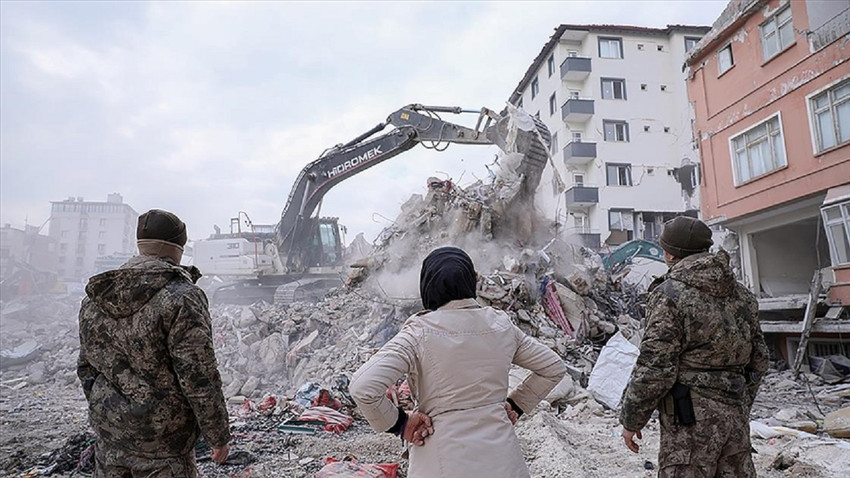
column 457, row 355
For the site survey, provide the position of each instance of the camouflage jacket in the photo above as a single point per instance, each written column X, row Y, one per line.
column 147, row 363
column 703, row 331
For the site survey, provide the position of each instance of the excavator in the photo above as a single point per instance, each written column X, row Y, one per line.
column 301, row 257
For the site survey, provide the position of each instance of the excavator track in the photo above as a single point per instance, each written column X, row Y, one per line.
column 309, row 290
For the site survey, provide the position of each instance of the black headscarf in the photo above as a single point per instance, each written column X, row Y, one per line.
column 447, row 274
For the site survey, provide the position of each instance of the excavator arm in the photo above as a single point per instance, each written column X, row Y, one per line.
column 413, row 124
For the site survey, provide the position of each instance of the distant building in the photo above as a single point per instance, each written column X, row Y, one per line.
column 770, row 87
column 26, row 246
column 88, row 230
column 614, row 98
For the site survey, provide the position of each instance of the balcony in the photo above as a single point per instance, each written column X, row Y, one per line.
column 575, row 68
column 581, row 196
column 577, row 110
column 578, row 152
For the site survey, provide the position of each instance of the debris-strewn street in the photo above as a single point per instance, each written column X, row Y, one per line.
column 286, row 369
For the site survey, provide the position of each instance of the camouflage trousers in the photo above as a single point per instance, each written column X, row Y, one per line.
column 116, row 463
column 717, row 445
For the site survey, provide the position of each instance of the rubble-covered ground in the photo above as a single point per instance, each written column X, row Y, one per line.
column 274, row 359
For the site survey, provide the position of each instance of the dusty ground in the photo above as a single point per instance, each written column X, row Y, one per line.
column 581, row 441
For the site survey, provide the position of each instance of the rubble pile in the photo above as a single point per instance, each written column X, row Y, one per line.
column 39, row 341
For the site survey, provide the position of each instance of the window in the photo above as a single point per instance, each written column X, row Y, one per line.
column 103, row 222
column 572, row 53
column 724, row 59
column 615, row 130
column 836, row 220
column 63, row 234
column 574, row 94
column 101, row 249
column 659, row 47
column 535, row 88
column 613, row 89
column 777, row 33
column 621, row 220
column 61, row 259
column 554, row 148
column 610, row 47
column 553, row 105
column 551, row 65
column 758, row 150
column 580, row 223
column 666, row 129
column 63, row 247
column 646, row 128
column 643, row 86
column 81, row 248
column 690, row 42
column 831, row 116
column 619, row 174
column 578, row 179
column 663, row 87
column 577, row 136
column 83, row 224
column 640, row 46
column 101, row 234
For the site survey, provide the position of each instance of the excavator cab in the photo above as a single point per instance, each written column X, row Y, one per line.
column 326, row 249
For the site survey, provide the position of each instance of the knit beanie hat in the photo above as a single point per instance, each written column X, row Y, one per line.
column 161, row 225
column 683, row 236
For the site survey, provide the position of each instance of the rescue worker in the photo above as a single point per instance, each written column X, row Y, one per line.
column 457, row 355
column 147, row 364
column 701, row 361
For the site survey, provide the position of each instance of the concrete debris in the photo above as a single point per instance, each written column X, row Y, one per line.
column 278, row 362
column 837, row 423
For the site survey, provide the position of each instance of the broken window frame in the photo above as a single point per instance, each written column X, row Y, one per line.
column 777, row 33
column 831, row 111
column 613, row 85
column 608, row 42
column 721, row 69
column 553, row 104
column 619, row 132
column 535, row 88
column 837, row 229
column 749, row 147
column 621, row 220
column 550, row 65
column 618, row 174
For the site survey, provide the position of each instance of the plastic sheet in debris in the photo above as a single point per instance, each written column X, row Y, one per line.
column 335, row 421
column 613, row 368
column 352, row 469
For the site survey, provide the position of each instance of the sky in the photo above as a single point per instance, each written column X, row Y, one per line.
column 210, row 109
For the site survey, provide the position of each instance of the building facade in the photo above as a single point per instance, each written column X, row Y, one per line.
column 770, row 87
column 88, row 230
column 624, row 157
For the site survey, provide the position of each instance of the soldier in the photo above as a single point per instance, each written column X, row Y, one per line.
column 701, row 361
column 147, row 363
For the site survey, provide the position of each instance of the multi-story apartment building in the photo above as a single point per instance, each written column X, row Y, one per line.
column 770, row 87
column 87, row 230
column 614, row 99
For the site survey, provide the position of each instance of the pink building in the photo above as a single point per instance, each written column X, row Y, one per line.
column 770, row 89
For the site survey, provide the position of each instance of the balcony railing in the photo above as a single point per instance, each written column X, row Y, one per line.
column 581, row 196
column 577, row 110
column 575, row 68
column 578, row 152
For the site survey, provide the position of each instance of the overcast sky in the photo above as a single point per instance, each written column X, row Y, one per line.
column 211, row 108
